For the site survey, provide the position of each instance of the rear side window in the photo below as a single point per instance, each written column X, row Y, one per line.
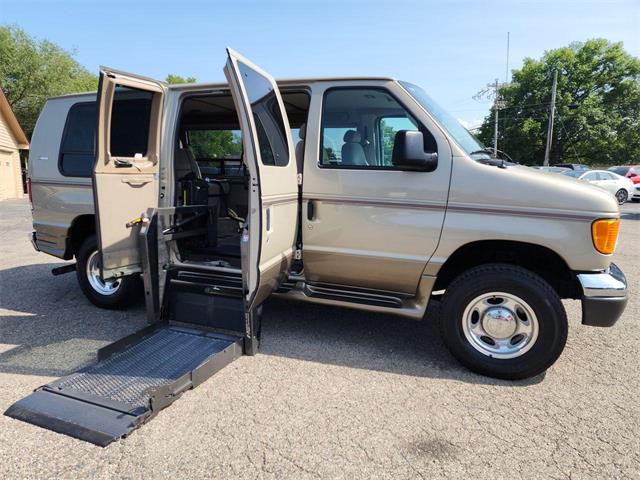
column 129, row 132
column 130, row 119
column 77, row 149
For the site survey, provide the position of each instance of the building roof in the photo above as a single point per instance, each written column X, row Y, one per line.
column 12, row 121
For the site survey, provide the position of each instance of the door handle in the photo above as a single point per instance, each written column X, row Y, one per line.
column 311, row 210
column 136, row 181
column 121, row 163
column 268, row 215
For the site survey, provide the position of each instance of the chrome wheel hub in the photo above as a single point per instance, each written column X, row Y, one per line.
column 499, row 322
column 93, row 275
column 500, row 325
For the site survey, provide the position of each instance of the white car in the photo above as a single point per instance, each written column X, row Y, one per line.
column 621, row 187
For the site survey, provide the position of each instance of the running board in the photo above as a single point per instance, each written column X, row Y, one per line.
column 133, row 379
column 354, row 295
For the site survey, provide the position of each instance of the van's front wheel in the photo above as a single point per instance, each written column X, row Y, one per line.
column 111, row 294
column 503, row 321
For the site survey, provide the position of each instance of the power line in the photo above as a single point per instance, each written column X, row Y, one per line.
column 568, row 136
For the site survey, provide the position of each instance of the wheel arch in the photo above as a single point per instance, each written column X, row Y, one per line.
column 539, row 259
column 81, row 228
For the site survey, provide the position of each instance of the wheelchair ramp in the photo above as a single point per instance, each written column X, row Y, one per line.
column 132, row 381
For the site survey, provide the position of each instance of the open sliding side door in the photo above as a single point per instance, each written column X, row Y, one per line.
column 270, row 158
column 125, row 181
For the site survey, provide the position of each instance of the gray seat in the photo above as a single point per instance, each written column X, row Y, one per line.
column 300, row 147
column 185, row 163
column 352, row 151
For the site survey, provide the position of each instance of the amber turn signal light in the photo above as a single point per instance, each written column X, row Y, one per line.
column 604, row 233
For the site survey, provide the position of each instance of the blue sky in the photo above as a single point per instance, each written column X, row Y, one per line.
column 451, row 48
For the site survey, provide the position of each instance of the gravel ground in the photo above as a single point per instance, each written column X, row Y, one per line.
column 333, row 393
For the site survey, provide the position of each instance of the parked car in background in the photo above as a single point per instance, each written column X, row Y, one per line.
column 572, row 166
column 630, row 171
column 621, row 187
column 554, row 169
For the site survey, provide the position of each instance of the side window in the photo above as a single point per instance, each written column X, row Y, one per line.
column 590, row 177
column 215, row 144
column 129, row 131
column 332, row 141
column 267, row 116
column 387, row 129
column 359, row 128
column 78, row 141
column 130, row 119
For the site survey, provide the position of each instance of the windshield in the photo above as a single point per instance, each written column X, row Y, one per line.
column 461, row 135
column 619, row 170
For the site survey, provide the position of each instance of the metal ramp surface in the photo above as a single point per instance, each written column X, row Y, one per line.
column 133, row 379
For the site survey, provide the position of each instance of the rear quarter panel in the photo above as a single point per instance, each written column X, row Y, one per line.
column 57, row 199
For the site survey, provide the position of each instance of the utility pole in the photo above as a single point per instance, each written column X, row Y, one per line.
column 552, row 113
column 493, row 92
column 495, row 128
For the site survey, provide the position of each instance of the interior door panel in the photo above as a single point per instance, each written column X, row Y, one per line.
column 270, row 158
column 125, row 178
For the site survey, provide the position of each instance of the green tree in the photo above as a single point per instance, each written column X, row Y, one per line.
column 174, row 79
column 597, row 107
column 210, row 144
column 33, row 70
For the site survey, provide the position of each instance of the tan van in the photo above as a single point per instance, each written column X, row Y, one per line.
column 357, row 192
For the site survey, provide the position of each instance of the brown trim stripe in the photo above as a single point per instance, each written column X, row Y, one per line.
column 458, row 208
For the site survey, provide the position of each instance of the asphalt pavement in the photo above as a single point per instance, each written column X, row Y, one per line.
column 333, row 393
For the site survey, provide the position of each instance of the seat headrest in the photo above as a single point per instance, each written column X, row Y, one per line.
column 182, row 159
column 351, row 136
column 303, row 131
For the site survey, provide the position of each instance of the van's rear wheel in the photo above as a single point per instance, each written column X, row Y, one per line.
column 111, row 294
column 503, row 321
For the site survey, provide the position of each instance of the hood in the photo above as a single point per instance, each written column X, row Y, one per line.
column 528, row 189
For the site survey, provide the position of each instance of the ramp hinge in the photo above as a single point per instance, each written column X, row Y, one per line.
column 299, row 177
column 297, row 254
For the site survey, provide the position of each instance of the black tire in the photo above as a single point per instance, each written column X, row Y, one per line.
column 513, row 280
column 622, row 196
column 129, row 288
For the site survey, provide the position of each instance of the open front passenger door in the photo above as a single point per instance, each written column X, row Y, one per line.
column 125, row 182
column 268, row 244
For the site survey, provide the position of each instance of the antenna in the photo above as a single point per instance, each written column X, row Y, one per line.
column 506, row 73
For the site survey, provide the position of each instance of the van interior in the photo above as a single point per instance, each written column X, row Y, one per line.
column 211, row 176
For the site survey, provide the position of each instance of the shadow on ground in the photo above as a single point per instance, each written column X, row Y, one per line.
column 50, row 329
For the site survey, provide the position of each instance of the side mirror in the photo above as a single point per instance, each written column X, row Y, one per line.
column 408, row 152
column 632, row 174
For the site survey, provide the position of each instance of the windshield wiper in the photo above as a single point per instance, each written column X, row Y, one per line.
column 493, row 160
column 482, row 150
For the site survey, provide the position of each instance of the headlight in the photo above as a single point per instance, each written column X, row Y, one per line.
column 604, row 233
